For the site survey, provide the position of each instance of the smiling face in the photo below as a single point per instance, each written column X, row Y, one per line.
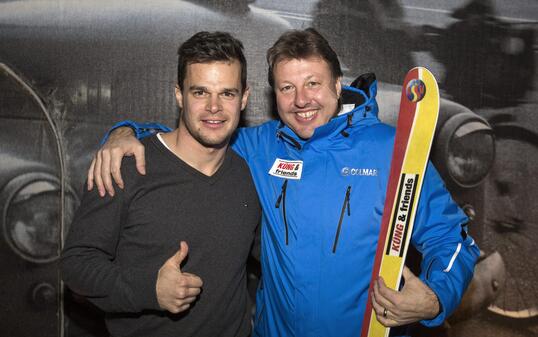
column 211, row 100
column 306, row 94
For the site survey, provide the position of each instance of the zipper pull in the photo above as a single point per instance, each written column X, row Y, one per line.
column 348, row 192
column 282, row 197
column 345, row 206
column 277, row 204
column 282, row 193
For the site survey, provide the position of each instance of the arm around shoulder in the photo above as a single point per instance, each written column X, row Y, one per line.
column 121, row 140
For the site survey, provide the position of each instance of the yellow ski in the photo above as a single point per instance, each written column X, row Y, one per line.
column 419, row 109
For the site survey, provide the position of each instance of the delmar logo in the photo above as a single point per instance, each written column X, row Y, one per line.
column 351, row 171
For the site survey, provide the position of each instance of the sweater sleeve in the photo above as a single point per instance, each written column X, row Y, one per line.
column 255, row 251
column 449, row 253
column 88, row 264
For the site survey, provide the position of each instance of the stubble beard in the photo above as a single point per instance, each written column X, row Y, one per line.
column 203, row 140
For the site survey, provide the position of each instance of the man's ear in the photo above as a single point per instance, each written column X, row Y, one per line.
column 338, row 85
column 244, row 98
column 179, row 96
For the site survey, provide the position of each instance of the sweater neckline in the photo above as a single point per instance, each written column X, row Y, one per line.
column 191, row 170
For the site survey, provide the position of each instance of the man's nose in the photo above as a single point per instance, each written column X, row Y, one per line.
column 214, row 104
column 301, row 97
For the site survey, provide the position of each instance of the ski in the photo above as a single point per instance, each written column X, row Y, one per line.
column 419, row 109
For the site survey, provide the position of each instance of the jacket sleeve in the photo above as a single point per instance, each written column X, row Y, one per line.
column 245, row 142
column 88, row 264
column 141, row 130
column 449, row 254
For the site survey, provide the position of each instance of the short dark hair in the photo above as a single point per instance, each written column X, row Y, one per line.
column 207, row 47
column 302, row 44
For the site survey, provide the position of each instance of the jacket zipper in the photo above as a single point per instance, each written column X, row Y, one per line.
column 349, row 119
column 282, row 198
column 344, row 207
column 284, row 135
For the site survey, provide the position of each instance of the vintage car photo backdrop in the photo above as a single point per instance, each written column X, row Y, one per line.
column 69, row 69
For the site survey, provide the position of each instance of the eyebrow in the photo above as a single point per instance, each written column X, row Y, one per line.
column 194, row 88
column 309, row 77
column 235, row 90
column 313, row 76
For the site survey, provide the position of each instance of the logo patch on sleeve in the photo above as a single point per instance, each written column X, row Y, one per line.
column 288, row 169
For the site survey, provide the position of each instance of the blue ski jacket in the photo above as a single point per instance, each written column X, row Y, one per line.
column 323, row 200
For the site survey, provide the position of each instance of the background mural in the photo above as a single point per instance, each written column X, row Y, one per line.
column 69, row 69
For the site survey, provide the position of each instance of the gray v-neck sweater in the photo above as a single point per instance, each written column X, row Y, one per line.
column 116, row 245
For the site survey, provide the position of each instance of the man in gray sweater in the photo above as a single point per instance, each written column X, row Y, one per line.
column 122, row 252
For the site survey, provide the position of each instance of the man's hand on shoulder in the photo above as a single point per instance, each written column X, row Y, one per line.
column 415, row 302
column 175, row 289
column 106, row 164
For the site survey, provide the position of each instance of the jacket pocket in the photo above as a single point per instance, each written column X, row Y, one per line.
column 282, row 201
column 345, row 206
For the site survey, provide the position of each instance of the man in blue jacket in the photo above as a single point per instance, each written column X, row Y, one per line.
column 321, row 173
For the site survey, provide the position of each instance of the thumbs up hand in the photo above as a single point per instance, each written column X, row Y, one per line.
column 176, row 290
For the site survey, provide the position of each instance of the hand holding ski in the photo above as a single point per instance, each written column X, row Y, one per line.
column 414, row 302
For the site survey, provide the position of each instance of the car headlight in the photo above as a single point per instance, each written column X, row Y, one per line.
column 466, row 144
column 32, row 216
